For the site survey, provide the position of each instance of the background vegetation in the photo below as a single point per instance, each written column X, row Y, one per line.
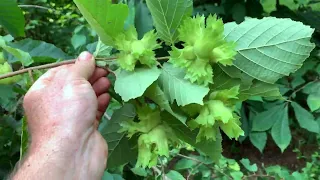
column 279, row 143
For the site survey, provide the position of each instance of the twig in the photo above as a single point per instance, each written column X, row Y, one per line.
column 31, row 76
column 107, row 116
column 52, row 65
column 200, row 162
column 158, row 171
column 193, row 159
column 163, row 58
column 162, row 169
column 34, row 6
column 257, row 175
column 190, row 173
column 302, row 87
column 46, row 66
column 105, row 59
column 155, row 169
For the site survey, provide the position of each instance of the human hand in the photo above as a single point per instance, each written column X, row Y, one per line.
column 63, row 110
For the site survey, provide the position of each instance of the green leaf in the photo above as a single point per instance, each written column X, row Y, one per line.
column 102, row 50
column 131, row 16
column 290, row 4
column 259, row 140
column 299, row 176
column 174, row 175
column 6, row 92
column 120, row 151
column 109, row 176
column 259, row 88
column 270, row 48
column 92, row 47
column 155, row 93
column 245, row 125
column 184, row 164
column 246, row 164
column 213, row 149
column 297, row 81
column 312, row 88
column 78, row 40
column 266, row 119
column 143, row 19
column 318, row 121
column 22, row 56
column 305, row 118
column 132, row 84
column 313, row 101
column 106, row 19
column 280, row 131
column 273, row 169
column 177, row 88
column 11, row 17
column 24, row 137
column 233, row 165
column 40, row 51
column 139, row 171
column 222, row 80
column 168, row 15
column 233, row 72
column 236, row 175
column 268, row 6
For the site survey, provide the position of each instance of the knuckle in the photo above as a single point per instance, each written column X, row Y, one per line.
column 79, row 82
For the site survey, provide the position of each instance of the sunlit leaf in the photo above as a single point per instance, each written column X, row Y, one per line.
column 130, row 85
column 168, row 15
column 177, row 88
column 106, row 19
column 40, row 51
column 11, row 17
column 155, row 93
column 270, row 48
column 22, row 56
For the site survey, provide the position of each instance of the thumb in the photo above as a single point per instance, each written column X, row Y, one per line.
column 84, row 65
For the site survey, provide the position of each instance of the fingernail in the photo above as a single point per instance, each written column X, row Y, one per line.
column 85, row 56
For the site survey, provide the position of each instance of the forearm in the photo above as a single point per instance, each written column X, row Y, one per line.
column 64, row 157
column 48, row 160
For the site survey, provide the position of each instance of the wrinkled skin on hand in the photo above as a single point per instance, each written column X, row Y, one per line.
column 63, row 110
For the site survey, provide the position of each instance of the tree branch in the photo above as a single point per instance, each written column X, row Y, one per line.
column 52, row 65
column 258, row 175
column 34, row 6
column 46, row 66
